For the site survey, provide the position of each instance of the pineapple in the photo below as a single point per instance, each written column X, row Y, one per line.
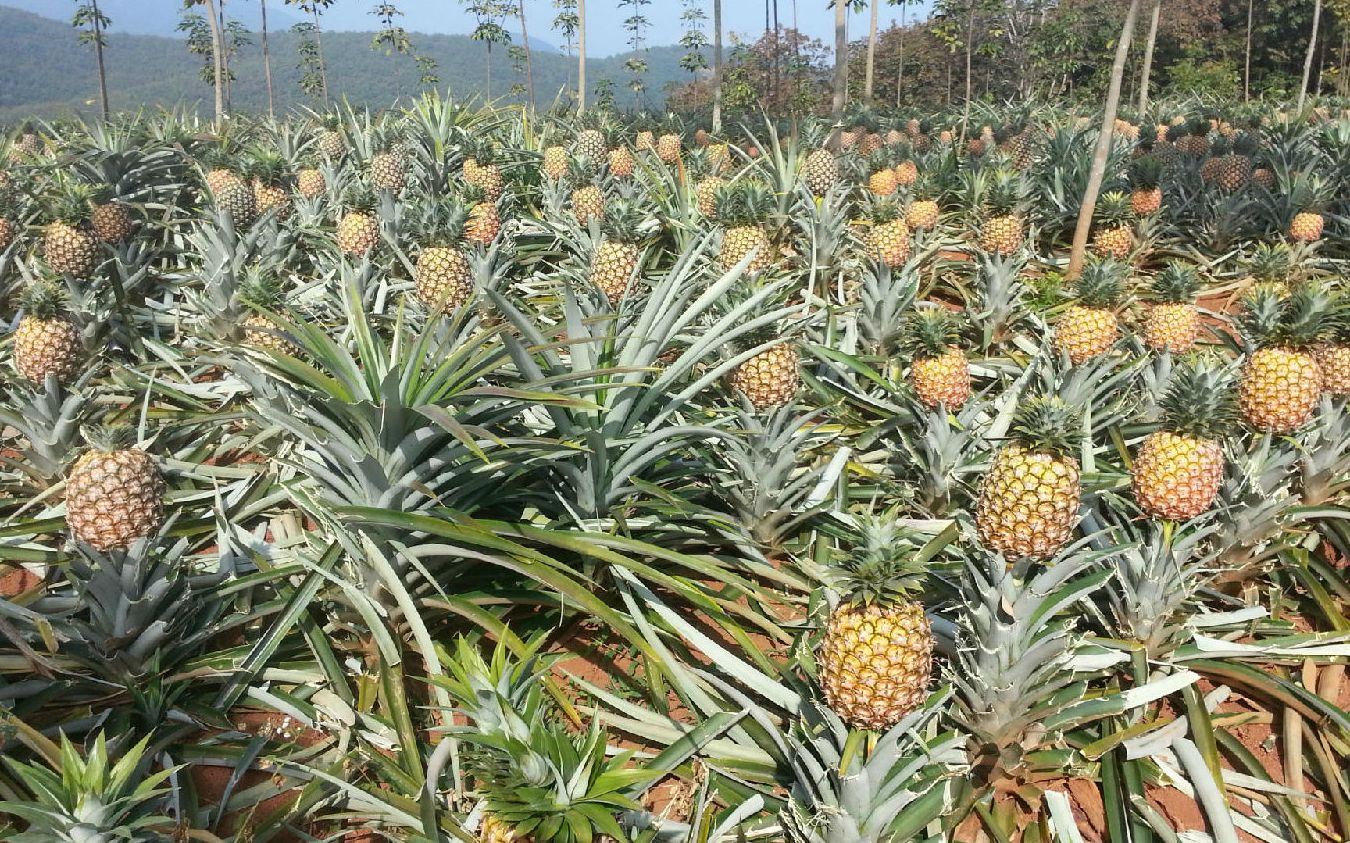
column 1308, row 195
column 47, row 343
column 1113, row 237
column 1004, row 227
column 1018, row 143
column 232, row 196
column 444, row 280
column 876, row 658
column 820, row 172
column 742, row 209
column 67, row 242
column 590, row 144
column 939, row 371
column 668, row 147
column 621, row 162
column 882, row 181
column 331, row 142
column 645, row 140
column 1234, row 168
column 1194, row 141
column 588, row 200
column 480, row 169
column 770, row 378
column 358, row 230
column 1178, row 469
column 1028, row 501
column 1173, row 321
column 310, row 182
column 924, row 211
column 1281, row 380
column 888, row 236
column 271, row 191
column 719, row 157
column 616, row 256
column 1146, row 197
column 906, row 172
column 485, row 219
column 554, row 166
column 701, row 137
column 705, row 195
column 26, row 146
column 1333, row 356
column 263, row 291
column 114, row 495
column 1089, row 327
column 109, row 219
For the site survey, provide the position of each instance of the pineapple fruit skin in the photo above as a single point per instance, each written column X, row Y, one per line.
column 621, row 162
column 943, row 380
column 1113, row 242
column 387, row 171
column 357, row 234
column 705, row 194
column 888, row 242
column 770, row 378
column 114, row 498
column 820, row 171
column 612, row 266
column 1279, row 389
column 45, row 347
column 267, row 197
column 875, row 663
column 1173, row 327
column 882, row 182
column 590, row 144
column 668, row 148
column 110, row 222
column 588, row 203
column 1028, row 503
column 739, row 241
column 69, row 250
column 1334, row 361
column 555, row 162
column 311, row 183
column 443, row 278
column 237, row 201
column 922, row 214
column 332, row 144
column 1146, row 201
column 260, row 332
column 7, row 234
column 1086, row 332
column 906, row 173
column 1306, row 227
column 1002, row 235
column 483, row 224
column 1176, row 476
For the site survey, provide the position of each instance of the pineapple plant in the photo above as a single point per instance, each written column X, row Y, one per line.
column 1146, row 196
column 1308, row 195
column 114, row 494
column 887, row 236
column 820, row 171
column 310, row 182
column 263, row 291
column 616, row 255
column 1004, row 227
column 554, row 165
column 1281, row 380
column 1333, row 355
column 480, row 169
column 1028, row 501
column 46, row 343
column 1178, row 468
column 939, row 371
column 331, row 142
column 220, row 167
column 388, row 167
column 26, row 146
column 876, row 657
column 588, row 198
column 358, row 229
column 590, row 144
column 68, row 243
column 1089, row 327
column 882, row 181
column 443, row 278
column 271, row 190
column 743, row 210
column 109, row 219
column 1270, row 263
column 1113, row 237
column 9, row 232
column 485, row 220
column 1172, row 322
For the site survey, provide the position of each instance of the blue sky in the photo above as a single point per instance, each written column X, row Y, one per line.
column 605, row 34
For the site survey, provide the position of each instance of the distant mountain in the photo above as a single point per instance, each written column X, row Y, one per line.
column 45, row 71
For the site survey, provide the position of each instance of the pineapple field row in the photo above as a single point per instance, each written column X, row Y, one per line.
column 466, row 473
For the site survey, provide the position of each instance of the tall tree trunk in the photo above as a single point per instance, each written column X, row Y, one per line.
column 489, row 70
column 267, row 60
column 581, row 56
column 1308, row 59
column 529, row 62
column 1247, row 58
column 717, row 67
column 970, row 53
column 217, row 65
column 318, row 46
column 1148, row 57
column 840, row 65
column 1103, row 150
column 900, row 68
column 871, row 54
column 225, row 59
column 98, row 53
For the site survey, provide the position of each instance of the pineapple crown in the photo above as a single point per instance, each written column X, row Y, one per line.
column 387, row 138
column 473, row 194
column 1199, row 401
column 1175, row 132
column 268, row 166
column 1113, row 209
column 1338, row 318
column 1176, row 284
column 744, row 203
column 357, row 197
column 1272, row 316
column 1146, row 172
column 480, row 150
column 261, row 289
column 44, row 299
column 620, row 222
column 72, row 203
column 1246, row 144
column 441, row 220
column 1270, row 262
column 109, row 436
column 1101, row 283
column 1309, row 192
column 582, row 171
column 1005, row 194
column 1049, row 424
column 880, row 570
column 930, row 332
column 1221, row 147
column 218, row 156
column 1199, row 126
column 883, row 209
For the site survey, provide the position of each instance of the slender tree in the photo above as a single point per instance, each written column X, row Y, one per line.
column 1308, row 57
column 529, row 58
column 871, row 53
column 717, row 66
column 314, row 8
column 217, row 54
column 566, row 23
column 489, row 30
column 1147, row 69
column 900, row 48
column 92, row 23
column 581, row 56
column 1247, row 55
column 840, row 97
column 1103, row 150
column 267, row 60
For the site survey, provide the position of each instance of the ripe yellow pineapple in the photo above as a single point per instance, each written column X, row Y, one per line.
column 443, row 277
column 263, row 291
column 882, row 182
column 485, row 219
column 1146, row 197
column 906, row 173
column 26, row 146
column 705, row 193
column 1089, row 327
column 939, row 371
column 1333, row 355
column 271, row 183
column 876, row 659
column 109, row 220
column 46, row 343
column 114, row 495
column 1306, row 226
column 616, row 257
column 888, row 236
column 1281, row 381
column 388, row 167
column 668, row 147
column 1173, row 321
column 67, row 242
column 742, row 209
column 770, row 378
column 1178, row 469
column 310, row 182
column 621, row 162
column 588, row 203
column 331, row 142
column 1113, row 238
column 1308, row 197
column 645, row 141
column 481, row 170
column 1028, row 501
column 1194, row 140
column 358, row 231
column 1004, row 228
column 555, row 162
column 590, row 144
column 820, row 171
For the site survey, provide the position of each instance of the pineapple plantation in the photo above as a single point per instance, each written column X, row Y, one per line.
column 455, row 474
